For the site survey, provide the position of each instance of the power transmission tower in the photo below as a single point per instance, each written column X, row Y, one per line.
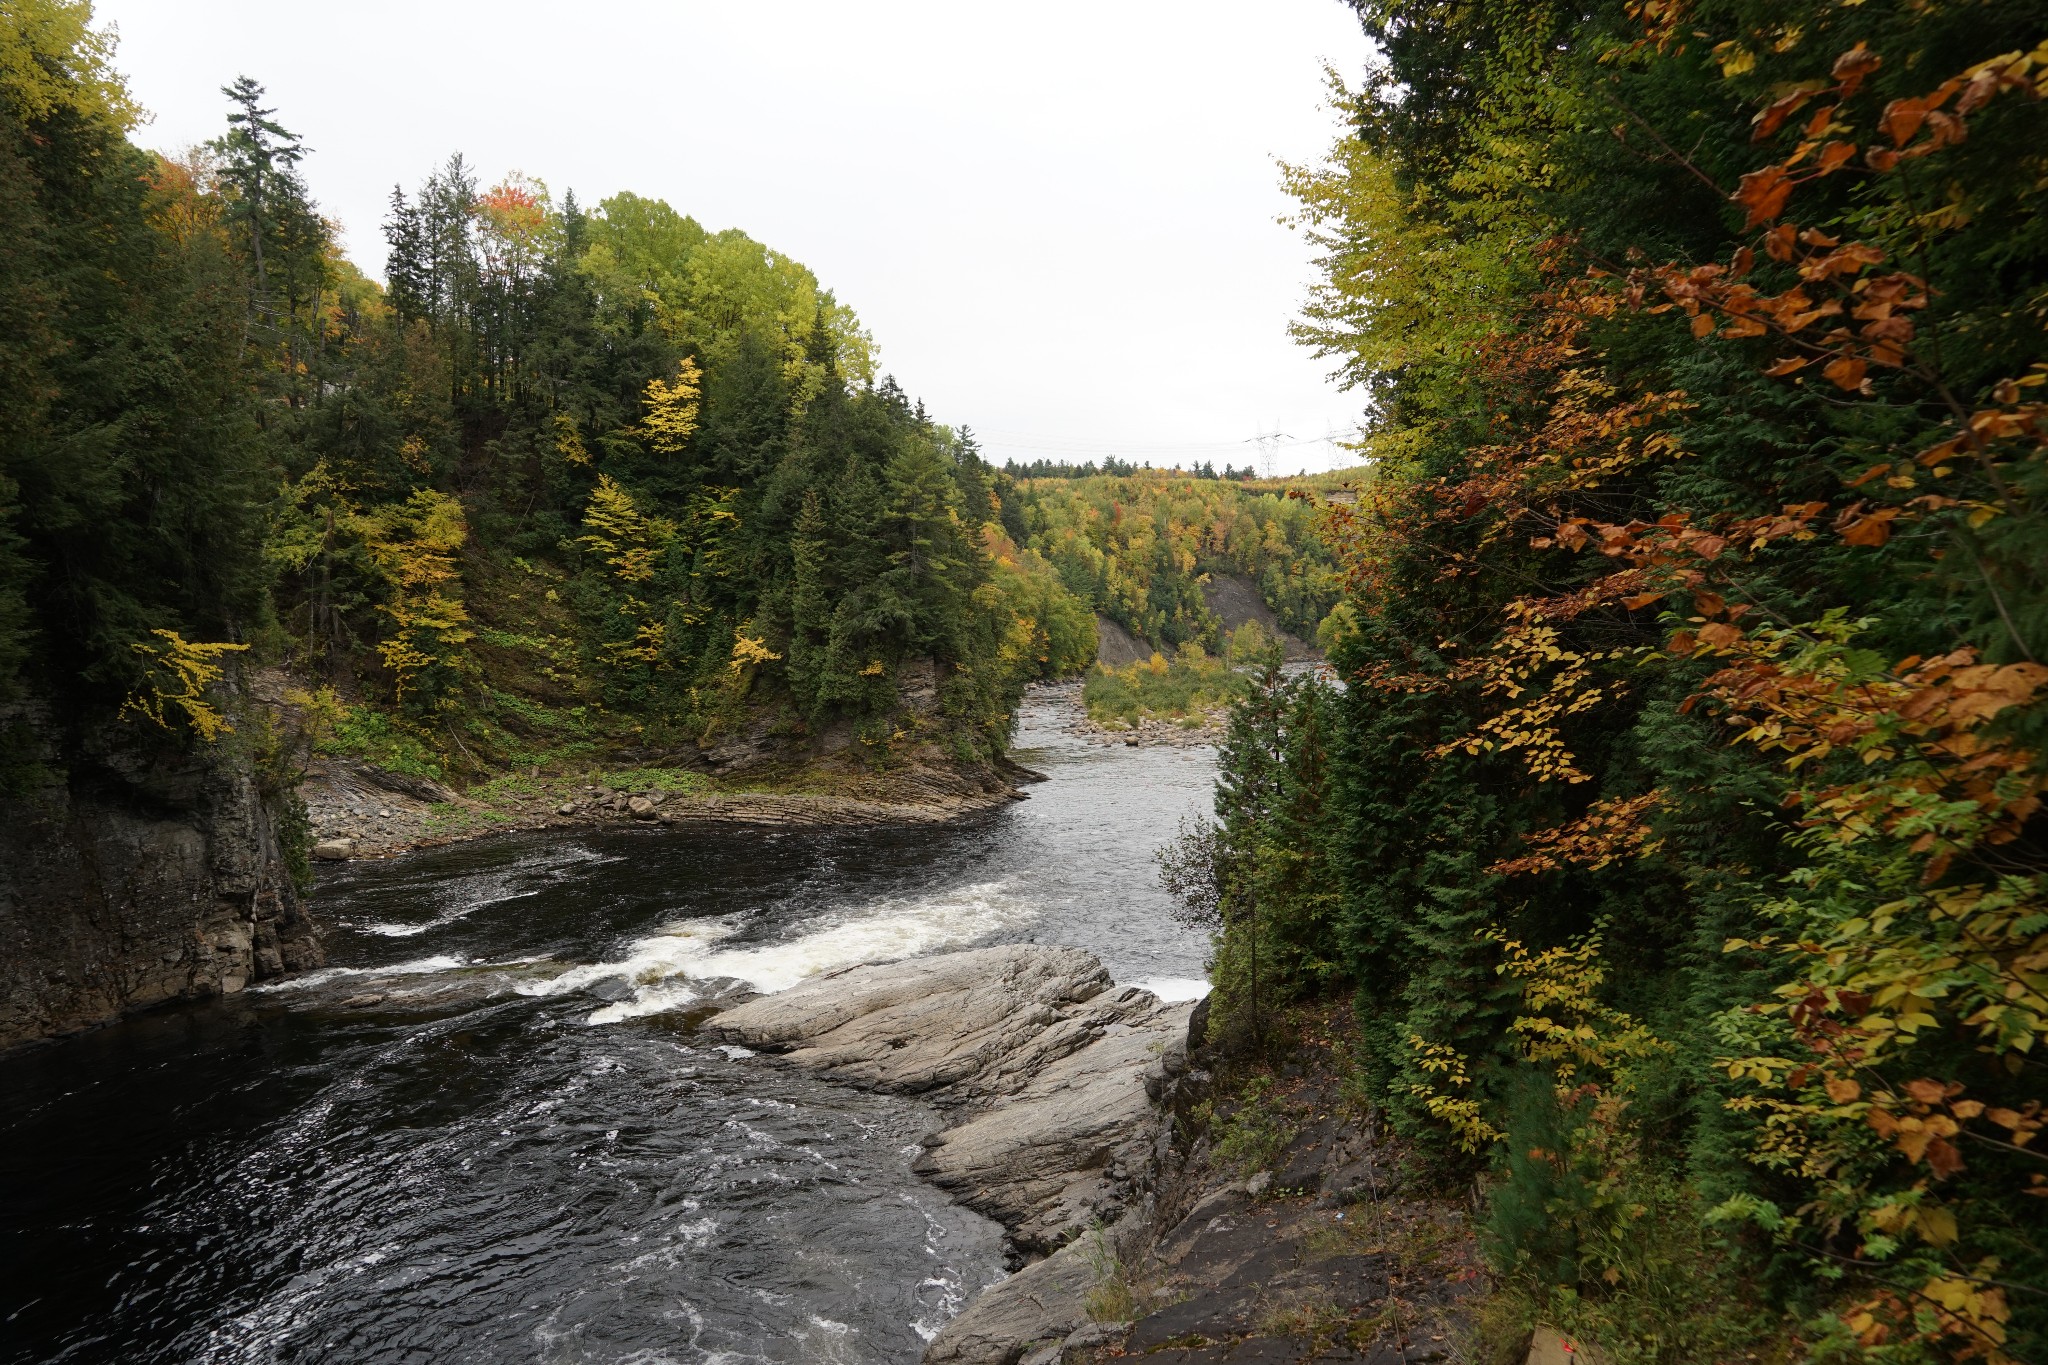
column 1269, row 445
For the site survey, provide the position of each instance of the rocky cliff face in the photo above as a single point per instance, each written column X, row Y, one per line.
column 1235, row 600
column 132, row 875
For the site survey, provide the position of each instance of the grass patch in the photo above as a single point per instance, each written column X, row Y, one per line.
column 1113, row 1299
column 1190, row 685
column 541, row 718
column 1251, row 1135
column 671, row 780
column 1116, row 1295
column 340, row 730
column 508, row 789
column 1314, row 1316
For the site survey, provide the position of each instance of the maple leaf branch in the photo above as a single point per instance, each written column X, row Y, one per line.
column 1677, row 156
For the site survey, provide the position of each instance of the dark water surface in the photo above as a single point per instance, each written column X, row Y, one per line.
column 487, row 1133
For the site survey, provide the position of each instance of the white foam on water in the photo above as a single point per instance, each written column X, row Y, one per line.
column 398, row 929
column 465, row 895
column 1173, row 989
column 661, row 967
column 440, row 963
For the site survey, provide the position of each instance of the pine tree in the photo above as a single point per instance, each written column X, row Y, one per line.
column 259, row 157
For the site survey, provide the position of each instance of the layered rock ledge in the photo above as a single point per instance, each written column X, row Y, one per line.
column 134, row 873
column 1050, row 1070
column 360, row 811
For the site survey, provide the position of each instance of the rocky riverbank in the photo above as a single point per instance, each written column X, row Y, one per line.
column 1200, row 728
column 359, row 811
column 1081, row 1118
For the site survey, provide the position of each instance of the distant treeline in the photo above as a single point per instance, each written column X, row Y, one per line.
column 1136, row 549
column 1061, row 469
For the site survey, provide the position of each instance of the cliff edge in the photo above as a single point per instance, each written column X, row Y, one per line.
column 132, row 875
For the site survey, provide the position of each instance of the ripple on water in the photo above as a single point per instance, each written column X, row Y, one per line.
column 432, row 1155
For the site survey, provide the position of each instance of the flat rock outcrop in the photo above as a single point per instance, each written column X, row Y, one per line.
column 1051, row 1069
column 360, row 811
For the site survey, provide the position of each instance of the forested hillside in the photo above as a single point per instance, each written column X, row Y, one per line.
column 132, row 477
column 1678, row 825
column 1135, row 547
column 582, row 481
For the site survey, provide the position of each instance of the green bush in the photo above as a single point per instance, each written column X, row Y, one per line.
column 374, row 736
column 1192, row 684
column 1587, row 1232
column 1252, row 1135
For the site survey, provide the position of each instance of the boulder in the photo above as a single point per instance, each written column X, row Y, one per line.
column 1058, row 1153
column 1042, row 1310
column 334, row 850
column 961, row 1021
column 1049, row 1069
column 1039, row 1305
column 640, row 808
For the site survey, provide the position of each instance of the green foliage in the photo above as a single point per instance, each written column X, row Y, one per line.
column 295, row 842
column 53, row 61
column 655, row 779
column 1051, row 632
column 1262, row 874
column 1191, row 685
column 1251, row 1133
column 129, row 470
column 1605, row 1242
column 1134, row 547
column 369, row 733
column 1693, row 641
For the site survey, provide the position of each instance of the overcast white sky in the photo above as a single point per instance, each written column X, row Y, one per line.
column 1057, row 219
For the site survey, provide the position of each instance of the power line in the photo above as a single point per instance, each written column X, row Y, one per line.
column 1084, row 446
column 1268, row 444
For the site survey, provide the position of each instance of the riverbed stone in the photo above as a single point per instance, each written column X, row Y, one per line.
column 967, row 1022
column 333, row 850
column 1057, row 1153
column 1038, row 1306
column 1048, row 1069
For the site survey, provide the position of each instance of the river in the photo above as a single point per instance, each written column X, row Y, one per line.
column 485, row 1133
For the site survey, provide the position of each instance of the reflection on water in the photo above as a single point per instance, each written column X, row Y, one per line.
column 485, row 1133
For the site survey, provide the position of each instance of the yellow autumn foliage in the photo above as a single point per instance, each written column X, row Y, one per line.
column 672, row 408
column 180, row 672
column 52, row 59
